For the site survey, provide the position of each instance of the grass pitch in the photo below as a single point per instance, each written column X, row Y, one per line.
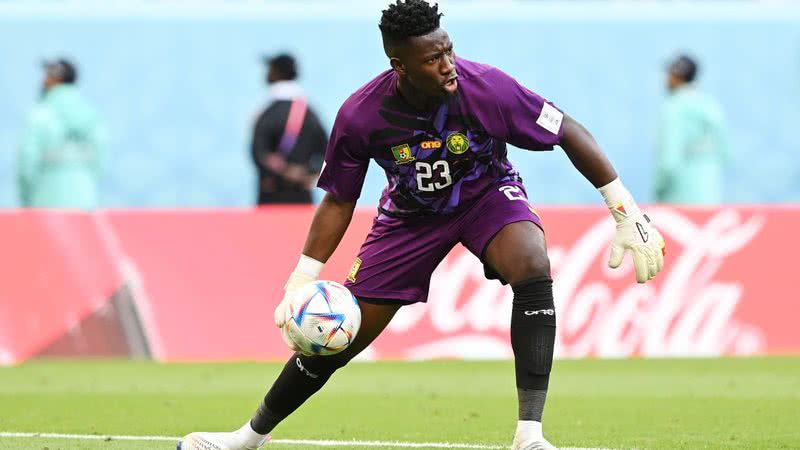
column 620, row 404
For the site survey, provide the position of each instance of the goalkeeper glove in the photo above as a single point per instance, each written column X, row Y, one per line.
column 634, row 232
column 307, row 270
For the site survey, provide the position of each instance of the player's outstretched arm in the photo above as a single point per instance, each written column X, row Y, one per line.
column 327, row 229
column 634, row 230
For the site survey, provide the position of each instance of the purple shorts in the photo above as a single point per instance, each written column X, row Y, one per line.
column 399, row 255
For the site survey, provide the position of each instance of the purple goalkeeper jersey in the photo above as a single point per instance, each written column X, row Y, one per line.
column 441, row 161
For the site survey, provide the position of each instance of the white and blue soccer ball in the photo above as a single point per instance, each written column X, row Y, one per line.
column 325, row 318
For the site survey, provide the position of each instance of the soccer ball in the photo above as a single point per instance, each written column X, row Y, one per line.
column 325, row 318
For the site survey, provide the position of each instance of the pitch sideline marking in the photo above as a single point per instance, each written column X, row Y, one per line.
column 274, row 441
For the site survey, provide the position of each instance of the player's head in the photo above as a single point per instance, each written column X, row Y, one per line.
column 680, row 71
column 59, row 71
column 418, row 49
column 281, row 68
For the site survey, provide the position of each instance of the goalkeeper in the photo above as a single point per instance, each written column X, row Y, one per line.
column 438, row 125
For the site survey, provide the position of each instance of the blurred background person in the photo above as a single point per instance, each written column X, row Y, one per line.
column 289, row 141
column 693, row 145
column 61, row 153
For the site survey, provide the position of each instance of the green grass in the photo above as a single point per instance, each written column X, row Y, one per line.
column 643, row 404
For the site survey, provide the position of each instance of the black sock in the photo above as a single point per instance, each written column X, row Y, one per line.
column 531, row 403
column 301, row 377
column 533, row 334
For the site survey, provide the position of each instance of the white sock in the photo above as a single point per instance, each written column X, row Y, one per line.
column 248, row 437
column 529, row 429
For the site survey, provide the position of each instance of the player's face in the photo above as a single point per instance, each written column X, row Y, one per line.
column 429, row 66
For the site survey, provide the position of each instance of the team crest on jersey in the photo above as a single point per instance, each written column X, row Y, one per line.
column 402, row 154
column 354, row 270
column 457, row 143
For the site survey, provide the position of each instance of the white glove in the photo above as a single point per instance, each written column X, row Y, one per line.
column 307, row 270
column 634, row 233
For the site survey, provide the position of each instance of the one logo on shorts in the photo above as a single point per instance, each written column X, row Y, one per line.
column 354, row 270
column 402, row 154
column 457, row 143
column 429, row 145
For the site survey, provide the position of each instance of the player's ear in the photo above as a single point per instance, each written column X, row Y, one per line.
column 397, row 66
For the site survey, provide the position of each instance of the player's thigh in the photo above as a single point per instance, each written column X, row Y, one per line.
column 398, row 257
column 374, row 318
column 518, row 252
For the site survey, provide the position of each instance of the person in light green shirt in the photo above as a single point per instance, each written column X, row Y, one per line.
column 693, row 142
column 61, row 154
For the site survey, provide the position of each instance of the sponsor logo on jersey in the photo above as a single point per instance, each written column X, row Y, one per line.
column 354, row 270
column 457, row 143
column 428, row 145
column 402, row 154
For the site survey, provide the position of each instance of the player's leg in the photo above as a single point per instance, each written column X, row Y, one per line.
column 300, row 378
column 518, row 254
column 395, row 262
column 505, row 232
column 302, row 375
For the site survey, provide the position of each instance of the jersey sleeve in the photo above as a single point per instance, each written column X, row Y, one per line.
column 346, row 162
column 529, row 121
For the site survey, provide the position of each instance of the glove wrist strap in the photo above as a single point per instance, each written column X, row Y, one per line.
column 618, row 199
column 309, row 266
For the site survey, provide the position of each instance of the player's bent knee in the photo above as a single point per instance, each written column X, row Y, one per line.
column 535, row 266
column 538, row 266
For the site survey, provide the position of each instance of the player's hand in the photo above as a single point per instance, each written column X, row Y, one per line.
column 307, row 270
column 295, row 282
column 637, row 234
column 283, row 312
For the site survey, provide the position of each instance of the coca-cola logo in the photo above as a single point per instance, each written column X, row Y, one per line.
column 689, row 310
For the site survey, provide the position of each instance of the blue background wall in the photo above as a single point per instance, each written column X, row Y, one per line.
column 180, row 86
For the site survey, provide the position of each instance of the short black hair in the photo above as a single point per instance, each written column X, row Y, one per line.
column 408, row 18
column 285, row 65
column 684, row 67
column 62, row 70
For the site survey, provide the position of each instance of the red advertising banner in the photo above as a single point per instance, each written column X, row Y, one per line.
column 725, row 290
column 208, row 281
column 56, row 271
column 203, row 285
